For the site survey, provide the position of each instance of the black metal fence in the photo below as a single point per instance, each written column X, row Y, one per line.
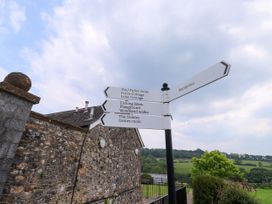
column 159, row 193
column 154, row 190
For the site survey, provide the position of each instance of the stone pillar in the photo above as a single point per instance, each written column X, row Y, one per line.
column 15, row 107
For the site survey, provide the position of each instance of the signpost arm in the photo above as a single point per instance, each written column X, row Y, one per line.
column 169, row 160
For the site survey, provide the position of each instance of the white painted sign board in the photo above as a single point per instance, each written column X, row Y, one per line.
column 132, row 94
column 204, row 78
column 136, row 121
column 136, row 107
column 143, row 109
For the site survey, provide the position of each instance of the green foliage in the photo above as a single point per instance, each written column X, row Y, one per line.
column 178, row 154
column 206, row 189
column 215, row 163
column 259, row 175
column 146, row 179
column 152, row 165
column 209, row 189
column 183, row 167
column 183, row 178
column 232, row 194
column 237, row 160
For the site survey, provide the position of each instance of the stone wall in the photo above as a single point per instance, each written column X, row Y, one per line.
column 43, row 160
column 58, row 163
column 113, row 171
column 15, row 106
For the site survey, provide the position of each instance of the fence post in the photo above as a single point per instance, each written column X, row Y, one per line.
column 181, row 195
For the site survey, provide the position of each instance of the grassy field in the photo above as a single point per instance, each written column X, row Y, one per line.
column 151, row 191
column 263, row 164
column 264, row 195
column 185, row 166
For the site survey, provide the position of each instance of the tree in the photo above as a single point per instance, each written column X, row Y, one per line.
column 146, row 179
column 236, row 158
column 215, row 163
column 259, row 175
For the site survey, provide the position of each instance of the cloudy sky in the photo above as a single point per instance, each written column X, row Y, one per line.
column 73, row 49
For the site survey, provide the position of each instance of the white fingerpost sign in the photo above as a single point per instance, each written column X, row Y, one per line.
column 204, row 78
column 136, row 121
column 154, row 103
column 133, row 94
column 136, row 107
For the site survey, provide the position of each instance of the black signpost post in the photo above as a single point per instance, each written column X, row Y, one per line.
column 169, row 160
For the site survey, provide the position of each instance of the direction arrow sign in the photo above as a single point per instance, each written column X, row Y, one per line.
column 204, row 78
column 133, row 94
column 136, row 107
column 136, row 121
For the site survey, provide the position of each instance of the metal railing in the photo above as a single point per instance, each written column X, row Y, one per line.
column 159, row 193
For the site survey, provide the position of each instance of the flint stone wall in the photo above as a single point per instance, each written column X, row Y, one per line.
column 59, row 163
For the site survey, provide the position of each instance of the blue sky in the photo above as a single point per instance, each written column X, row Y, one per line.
column 73, row 50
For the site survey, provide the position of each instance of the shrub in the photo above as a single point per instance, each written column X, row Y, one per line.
column 146, row 179
column 206, row 189
column 232, row 194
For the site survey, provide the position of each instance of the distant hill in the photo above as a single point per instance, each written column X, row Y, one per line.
column 189, row 154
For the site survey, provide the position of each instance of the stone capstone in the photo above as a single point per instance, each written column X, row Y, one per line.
column 19, row 80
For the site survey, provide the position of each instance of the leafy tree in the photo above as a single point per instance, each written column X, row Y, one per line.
column 236, row 158
column 259, row 175
column 152, row 165
column 146, row 179
column 215, row 163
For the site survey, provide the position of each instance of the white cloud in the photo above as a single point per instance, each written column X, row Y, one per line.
column 17, row 15
column 73, row 62
column 11, row 15
column 3, row 73
column 236, row 121
column 250, row 52
column 123, row 43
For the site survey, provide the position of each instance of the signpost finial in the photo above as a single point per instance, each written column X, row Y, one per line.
column 165, row 87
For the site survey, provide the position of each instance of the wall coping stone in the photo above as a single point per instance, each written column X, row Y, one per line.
column 7, row 87
column 57, row 122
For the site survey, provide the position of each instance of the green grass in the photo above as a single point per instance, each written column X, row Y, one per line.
column 263, row 195
column 183, row 167
column 266, row 165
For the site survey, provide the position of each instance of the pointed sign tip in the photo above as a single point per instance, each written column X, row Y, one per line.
column 227, row 68
column 103, row 106
column 105, row 91
column 102, row 119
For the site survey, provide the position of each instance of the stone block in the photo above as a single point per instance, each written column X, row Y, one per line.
column 15, row 124
column 12, row 151
column 1, row 188
column 5, row 163
column 4, row 147
column 3, row 176
column 2, row 131
column 9, row 107
column 22, row 114
column 12, row 136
